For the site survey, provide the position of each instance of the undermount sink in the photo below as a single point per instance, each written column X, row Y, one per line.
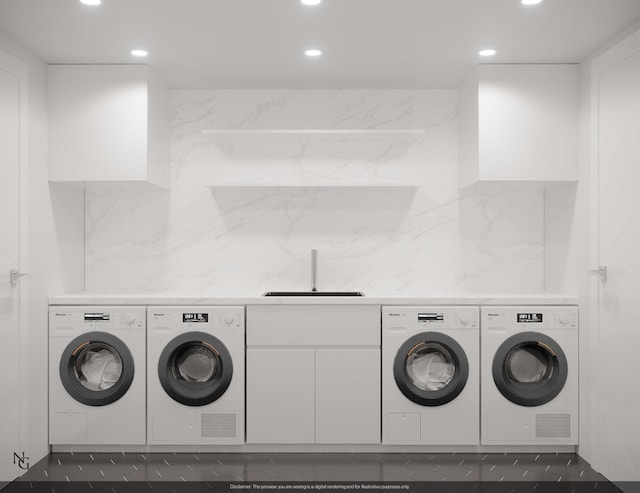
column 313, row 293
column 314, row 283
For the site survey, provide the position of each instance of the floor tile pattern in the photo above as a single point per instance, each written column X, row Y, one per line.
column 311, row 467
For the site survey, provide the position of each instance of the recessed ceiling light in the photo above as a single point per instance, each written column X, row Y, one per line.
column 313, row 52
column 531, row 2
column 310, row 2
column 139, row 52
column 487, row 52
column 91, row 2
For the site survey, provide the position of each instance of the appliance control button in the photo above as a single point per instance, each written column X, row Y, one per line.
column 228, row 319
column 463, row 318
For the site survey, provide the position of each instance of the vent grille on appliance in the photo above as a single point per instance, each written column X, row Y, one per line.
column 218, row 425
column 553, row 425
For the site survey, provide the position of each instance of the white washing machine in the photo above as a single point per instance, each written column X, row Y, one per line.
column 529, row 375
column 195, row 384
column 430, row 375
column 97, row 375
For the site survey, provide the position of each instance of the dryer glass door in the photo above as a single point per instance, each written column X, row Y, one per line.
column 96, row 368
column 529, row 369
column 195, row 368
column 431, row 369
column 528, row 363
column 196, row 362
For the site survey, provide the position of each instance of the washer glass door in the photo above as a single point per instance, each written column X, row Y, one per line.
column 195, row 368
column 96, row 368
column 431, row 369
column 430, row 366
column 530, row 369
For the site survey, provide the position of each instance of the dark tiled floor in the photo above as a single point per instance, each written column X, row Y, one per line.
column 369, row 467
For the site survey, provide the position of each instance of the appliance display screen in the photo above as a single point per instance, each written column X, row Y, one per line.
column 96, row 317
column 430, row 317
column 195, row 317
column 529, row 317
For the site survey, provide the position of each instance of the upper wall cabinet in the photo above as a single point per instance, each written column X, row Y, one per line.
column 108, row 123
column 519, row 123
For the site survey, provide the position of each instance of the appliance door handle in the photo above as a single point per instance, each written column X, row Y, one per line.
column 601, row 272
column 15, row 275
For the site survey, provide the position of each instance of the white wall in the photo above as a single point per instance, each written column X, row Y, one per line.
column 428, row 239
column 56, row 257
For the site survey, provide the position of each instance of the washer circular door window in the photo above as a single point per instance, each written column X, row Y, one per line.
column 96, row 368
column 195, row 368
column 431, row 369
column 530, row 369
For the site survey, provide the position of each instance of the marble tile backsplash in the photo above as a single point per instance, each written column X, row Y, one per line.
column 385, row 214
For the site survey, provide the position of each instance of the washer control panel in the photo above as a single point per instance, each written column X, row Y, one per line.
column 96, row 318
column 431, row 317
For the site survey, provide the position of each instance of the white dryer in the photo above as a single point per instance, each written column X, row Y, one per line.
column 529, row 375
column 195, row 385
column 97, row 375
column 430, row 375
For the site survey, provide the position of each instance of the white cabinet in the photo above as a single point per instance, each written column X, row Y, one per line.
column 519, row 123
column 313, row 374
column 108, row 123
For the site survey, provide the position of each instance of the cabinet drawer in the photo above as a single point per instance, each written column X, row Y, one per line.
column 313, row 325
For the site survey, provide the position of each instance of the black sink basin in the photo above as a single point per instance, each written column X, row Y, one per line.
column 313, row 293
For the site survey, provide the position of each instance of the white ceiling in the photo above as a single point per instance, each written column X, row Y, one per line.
column 366, row 43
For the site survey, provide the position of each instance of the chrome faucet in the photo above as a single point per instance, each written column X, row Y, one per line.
column 314, row 269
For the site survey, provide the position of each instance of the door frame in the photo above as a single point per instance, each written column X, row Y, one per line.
column 623, row 49
column 19, row 69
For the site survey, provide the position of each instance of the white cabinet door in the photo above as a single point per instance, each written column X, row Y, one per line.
column 108, row 123
column 348, row 396
column 519, row 122
column 280, row 396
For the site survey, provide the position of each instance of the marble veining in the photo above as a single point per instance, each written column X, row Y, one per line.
column 420, row 240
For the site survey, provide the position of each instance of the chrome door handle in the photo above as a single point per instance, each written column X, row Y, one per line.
column 15, row 275
column 601, row 272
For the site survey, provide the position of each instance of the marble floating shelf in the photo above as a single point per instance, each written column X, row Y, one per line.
column 313, row 185
column 318, row 131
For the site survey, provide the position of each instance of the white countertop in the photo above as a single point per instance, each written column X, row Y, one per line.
column 205, row 299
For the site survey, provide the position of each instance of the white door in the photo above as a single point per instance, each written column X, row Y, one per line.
column 616, row 363
column 9, row 259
